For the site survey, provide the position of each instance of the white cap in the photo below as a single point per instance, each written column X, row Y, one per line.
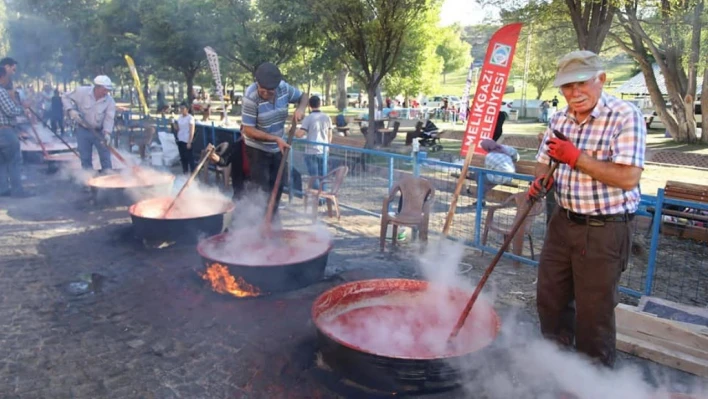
column 103, row 80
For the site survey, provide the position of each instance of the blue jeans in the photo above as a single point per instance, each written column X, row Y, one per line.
column 10, row 161
column 315, row 167
column 85, row 142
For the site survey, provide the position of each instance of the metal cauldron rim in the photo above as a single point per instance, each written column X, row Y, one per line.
column 131, row 210
column 222, row 236
column 169, row 179
column 422, row 284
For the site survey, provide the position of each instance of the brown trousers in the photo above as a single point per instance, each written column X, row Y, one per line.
column 578, row 278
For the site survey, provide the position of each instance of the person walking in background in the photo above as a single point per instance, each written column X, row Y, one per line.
column 186, row 125
column 588, row 238
column 544, row 111
column 318, row 128
column 56, row 113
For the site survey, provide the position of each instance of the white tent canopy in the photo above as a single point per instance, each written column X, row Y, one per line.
column 637, row 85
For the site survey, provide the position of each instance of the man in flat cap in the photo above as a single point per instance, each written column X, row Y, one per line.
column 94, row 111
column 264, row 111
column 596, row 185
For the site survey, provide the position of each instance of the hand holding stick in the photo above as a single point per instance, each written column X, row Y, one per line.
column 189, row 181
column 274, row 193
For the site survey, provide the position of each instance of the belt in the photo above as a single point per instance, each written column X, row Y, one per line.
column 596, row 220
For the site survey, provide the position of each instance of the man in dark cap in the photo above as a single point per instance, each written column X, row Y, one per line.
column 264, row 111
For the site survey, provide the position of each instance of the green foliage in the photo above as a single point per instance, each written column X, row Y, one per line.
column 454, row 51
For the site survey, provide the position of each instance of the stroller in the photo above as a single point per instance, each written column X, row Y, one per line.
column 430, row 137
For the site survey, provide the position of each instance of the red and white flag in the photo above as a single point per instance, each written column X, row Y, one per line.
column 490, row 88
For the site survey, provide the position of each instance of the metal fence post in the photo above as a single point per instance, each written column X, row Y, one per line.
column 417, row 160
column 325, row 161
column 390, row 173
column 478, row 209
column 213, row 134
column 654, row 246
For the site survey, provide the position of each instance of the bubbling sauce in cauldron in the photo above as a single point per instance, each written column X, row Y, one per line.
column 249, row 248
column 187, row 207
column 414, row 327
column 141, row 178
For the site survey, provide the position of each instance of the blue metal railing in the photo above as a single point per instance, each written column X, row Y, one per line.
column 383, row 173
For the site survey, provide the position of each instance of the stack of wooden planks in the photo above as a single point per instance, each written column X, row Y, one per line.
column 677, row 344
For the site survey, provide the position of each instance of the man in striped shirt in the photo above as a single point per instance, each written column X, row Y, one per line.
column 263, row 115
column 596, row 185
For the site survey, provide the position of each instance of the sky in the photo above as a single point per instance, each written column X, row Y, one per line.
column 466, row 12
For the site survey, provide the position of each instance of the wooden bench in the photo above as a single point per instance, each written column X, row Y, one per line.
column 693, row 226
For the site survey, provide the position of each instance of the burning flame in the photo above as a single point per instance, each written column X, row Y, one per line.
column 223, row 282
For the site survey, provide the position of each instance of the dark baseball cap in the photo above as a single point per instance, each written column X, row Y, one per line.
column 268, row 76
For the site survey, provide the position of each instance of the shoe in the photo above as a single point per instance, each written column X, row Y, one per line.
column 484, row 203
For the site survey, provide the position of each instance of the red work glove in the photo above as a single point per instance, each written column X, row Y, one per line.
column 537, row 191
column 563, row 151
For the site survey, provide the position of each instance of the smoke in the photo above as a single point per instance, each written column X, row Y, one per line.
column 248, row 243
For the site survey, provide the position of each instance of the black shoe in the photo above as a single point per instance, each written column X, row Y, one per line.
column 484, row 203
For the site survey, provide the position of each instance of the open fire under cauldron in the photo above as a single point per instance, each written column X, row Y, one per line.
column 243, row 264
column 391, row 334
column 190, row 218
column 126, row 188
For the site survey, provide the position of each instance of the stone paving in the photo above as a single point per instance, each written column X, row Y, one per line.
column 149, row 327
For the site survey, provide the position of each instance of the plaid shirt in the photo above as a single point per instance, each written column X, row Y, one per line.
column 503, row 162
column 9, row 110
column 614, row 132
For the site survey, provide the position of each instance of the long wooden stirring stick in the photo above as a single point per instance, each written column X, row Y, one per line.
column 274, row 193
column 515, row 228
column 56, row 134
column 195, row 172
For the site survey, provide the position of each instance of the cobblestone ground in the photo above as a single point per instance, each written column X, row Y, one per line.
column 150, row 328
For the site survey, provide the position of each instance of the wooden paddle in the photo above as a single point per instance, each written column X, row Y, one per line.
column 195, row 172
column 55, row 133
column 274, row 193
column 458, row 189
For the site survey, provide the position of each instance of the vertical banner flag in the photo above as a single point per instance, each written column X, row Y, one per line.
column 213, row 59
column 136, row 80
column 466, row 94
column 490, row 88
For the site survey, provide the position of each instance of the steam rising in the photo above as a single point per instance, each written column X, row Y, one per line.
column 247, row 242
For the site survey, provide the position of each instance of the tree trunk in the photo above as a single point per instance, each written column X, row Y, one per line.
column 146, row 92
column 444, row 78
column 342, row 89
column 327, row 79
column 704, row 108
column 592, row 22
column 371, row 129
column 189, row 77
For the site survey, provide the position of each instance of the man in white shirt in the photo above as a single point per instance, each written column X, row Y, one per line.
column 94, row 110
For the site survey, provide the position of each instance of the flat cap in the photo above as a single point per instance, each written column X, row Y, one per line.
column 268, row 76
column 577, row 66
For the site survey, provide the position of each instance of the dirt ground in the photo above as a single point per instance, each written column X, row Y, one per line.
column 147, row 326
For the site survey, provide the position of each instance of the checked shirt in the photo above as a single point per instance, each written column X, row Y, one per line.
column 614, row 132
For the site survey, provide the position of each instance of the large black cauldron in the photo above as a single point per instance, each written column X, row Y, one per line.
column 378, row 368
column 279, row 276
column 179, row 227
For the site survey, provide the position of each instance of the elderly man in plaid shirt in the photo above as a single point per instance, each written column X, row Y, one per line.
column 589, row 235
